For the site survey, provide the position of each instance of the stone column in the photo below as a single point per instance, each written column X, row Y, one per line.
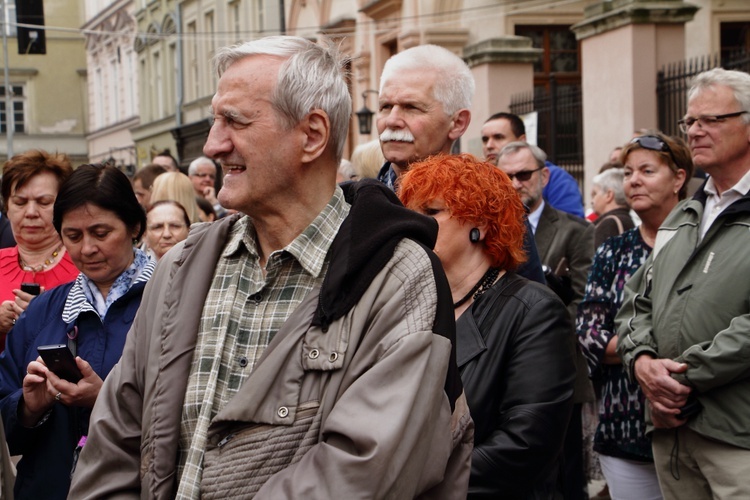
column 624, row 43
column 502, row 67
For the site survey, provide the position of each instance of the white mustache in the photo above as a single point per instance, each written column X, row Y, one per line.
column 402, row 135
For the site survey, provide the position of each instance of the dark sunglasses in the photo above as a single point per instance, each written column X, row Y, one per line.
column 524, row 175
column 654, row 144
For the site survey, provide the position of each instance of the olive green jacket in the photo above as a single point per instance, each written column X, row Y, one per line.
column 690, row 302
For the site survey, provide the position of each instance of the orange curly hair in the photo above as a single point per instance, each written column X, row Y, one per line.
column 474, row 192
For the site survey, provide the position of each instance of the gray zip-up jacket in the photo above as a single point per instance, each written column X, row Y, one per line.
column 690, row 302
column 359, row 406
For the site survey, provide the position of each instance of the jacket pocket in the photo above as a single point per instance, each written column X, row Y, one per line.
column 246, row 458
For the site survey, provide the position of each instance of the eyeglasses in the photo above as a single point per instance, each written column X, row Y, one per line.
column 159, row 228
column 654, row 144
column 523, row 175
column 706, row 121
column 210, row 176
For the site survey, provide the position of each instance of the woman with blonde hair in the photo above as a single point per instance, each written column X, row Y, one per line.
column 176, row 186
column 367, row 159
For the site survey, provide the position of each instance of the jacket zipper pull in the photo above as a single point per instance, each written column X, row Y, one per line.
column 225, row 440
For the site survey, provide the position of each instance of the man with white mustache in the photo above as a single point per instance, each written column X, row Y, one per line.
column 425, row 95
column 423, row 108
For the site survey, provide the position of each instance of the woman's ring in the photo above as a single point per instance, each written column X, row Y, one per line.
column 14, row 321
column 57, row 396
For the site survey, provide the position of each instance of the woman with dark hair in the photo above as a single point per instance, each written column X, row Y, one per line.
column 657, row 168
column 45, row 416
column 167, row 224
column 30, row 184
column 514, row 340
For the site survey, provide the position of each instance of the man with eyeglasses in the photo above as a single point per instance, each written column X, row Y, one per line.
column 565, row 242
column 561, row 191
column 202, row 173
column 684, row 328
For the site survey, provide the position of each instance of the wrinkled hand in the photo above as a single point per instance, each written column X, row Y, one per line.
column 664, row 420
column 8, row 315
column 209, row 194
column 665, row 394
column 84, row 393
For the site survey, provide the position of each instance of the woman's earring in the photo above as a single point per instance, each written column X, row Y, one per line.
column 474, row 235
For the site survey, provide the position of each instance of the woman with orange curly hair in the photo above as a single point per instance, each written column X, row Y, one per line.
column 513, row 336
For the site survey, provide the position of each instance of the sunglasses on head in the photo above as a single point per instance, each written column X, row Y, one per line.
column 654, row 144
column 523, row 175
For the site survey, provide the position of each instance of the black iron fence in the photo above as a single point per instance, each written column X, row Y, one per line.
column 560, row 123
column 673, row 82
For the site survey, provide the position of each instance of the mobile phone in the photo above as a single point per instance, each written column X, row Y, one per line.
column 60, row 361
column 32, row 288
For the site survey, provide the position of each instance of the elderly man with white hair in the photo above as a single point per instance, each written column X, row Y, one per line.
column 683, row 328
column 303, row 348
column 423, row 109
column 202, row 173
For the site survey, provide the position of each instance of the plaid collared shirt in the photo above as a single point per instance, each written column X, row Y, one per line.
column 242, row 312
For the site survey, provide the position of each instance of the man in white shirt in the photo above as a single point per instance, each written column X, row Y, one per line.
column 683, row 327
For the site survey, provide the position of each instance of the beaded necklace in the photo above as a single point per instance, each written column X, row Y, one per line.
column 484, row 283
column 41, row 267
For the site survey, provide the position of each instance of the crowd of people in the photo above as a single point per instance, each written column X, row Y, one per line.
column 408, row 324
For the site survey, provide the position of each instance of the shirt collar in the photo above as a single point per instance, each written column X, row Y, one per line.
column 309, row 248
column 742, row 187
column 535, row 216
column 85, row 296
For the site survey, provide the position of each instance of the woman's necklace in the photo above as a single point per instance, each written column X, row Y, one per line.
column 41, row 267
column 484, row 283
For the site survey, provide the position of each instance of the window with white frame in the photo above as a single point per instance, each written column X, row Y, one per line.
column 98, row 99
column 208, row 48
column 172, row 79
column 9, row 14
column 235, row 19
column 130, row 82
column 193, row 81
column 18, row 105
column 260, row 15
column 158, row 85
column 114, row 92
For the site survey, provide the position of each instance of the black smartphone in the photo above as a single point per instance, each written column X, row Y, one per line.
column 60, row 361
column 32, row 288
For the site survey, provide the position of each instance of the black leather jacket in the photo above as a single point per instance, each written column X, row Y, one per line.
column 515, row 351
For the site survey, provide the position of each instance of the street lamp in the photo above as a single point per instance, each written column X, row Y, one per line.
column 364, row 115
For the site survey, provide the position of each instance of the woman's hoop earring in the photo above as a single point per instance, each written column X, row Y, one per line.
column 474, row 235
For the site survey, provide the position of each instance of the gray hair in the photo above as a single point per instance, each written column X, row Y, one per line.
column 193, row 168
column 612, row 180
column 312, row 77
column 513, row 147
column 454, row 83
column 737, row 81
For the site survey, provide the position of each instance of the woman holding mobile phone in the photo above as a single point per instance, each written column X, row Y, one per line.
column 30, row 184
column 46, row 417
